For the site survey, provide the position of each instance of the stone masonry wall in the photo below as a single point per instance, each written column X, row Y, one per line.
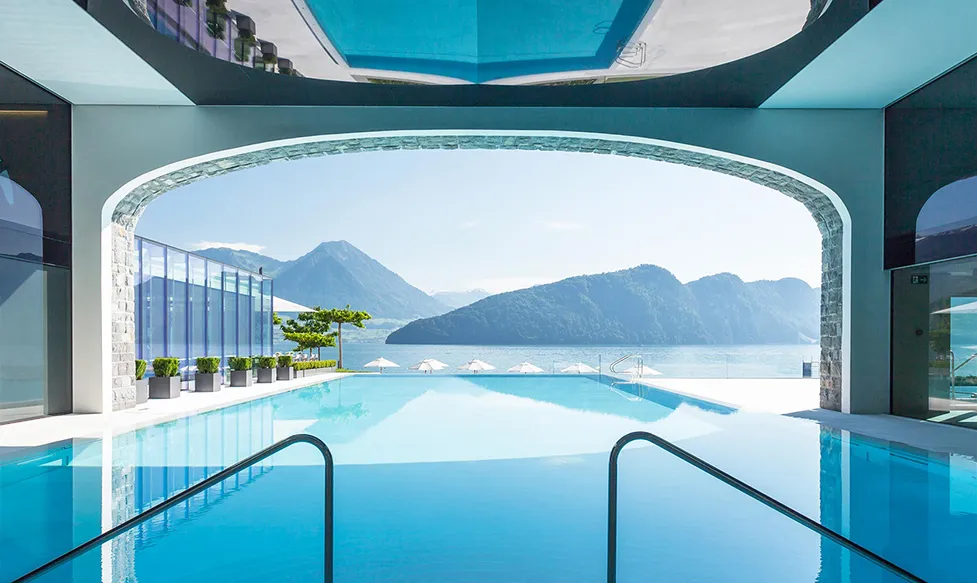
column 820, row 206
column 123, row 317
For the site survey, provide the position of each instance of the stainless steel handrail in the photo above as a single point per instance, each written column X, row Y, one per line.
column 735, row 483
column 202, row 486
column 622, row 359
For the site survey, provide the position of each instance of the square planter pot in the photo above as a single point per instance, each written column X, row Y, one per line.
column 164, row 387
column 142, row 391
column 266, row 375
column 241, row 378
column 207, row 382
column 284, row 373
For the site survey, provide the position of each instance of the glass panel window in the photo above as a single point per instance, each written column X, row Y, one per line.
column 244, row 314
column 934, row 342
column 198, row 308
column 178, row 313
column 230, row 312
column 267, row 342
column 256, row 344
column 215, row 323
column 22, row 339
column 154, row 301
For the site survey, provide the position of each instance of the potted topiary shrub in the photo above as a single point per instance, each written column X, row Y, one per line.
column 208, row 377
column 266, row 369
column 166, row 381
column 285, row 372
column 240, row 371
column 142, row 384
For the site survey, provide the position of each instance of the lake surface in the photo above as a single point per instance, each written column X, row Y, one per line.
column 756, row 361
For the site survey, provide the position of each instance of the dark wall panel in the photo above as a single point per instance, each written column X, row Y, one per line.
column 35, row 250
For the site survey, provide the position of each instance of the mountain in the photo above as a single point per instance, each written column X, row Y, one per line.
column 459, row 299
column 643, row 305
column 335, row 274
column 243, row 259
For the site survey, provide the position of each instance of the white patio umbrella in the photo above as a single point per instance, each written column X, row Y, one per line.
column 525, row 367
column 476, row 366
column 428, row 365
column 381, row 363
column 579, row 368
column 642, row 370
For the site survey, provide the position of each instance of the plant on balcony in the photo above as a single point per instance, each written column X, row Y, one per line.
column 165, row 366
column 266, row 369
column 142, row 384
column 240, row 363
column 314, row 364
column 208, row 364
column 166, row 381
column 207, row 379
column 187, row 3
column 241, row 374
column 284, row 372
column 217, row 14
column 243, row 45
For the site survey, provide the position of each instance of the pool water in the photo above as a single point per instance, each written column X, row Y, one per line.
column 479, row 40
column 487, row 478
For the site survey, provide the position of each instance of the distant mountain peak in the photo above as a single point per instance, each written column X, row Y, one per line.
column 641, row 305
column 337, row 273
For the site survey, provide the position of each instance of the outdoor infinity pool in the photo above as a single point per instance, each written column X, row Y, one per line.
column 487, row 478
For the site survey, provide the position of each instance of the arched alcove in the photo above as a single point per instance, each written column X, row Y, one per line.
column 126, row 206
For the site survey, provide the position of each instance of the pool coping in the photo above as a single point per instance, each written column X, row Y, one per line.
column 59, row 428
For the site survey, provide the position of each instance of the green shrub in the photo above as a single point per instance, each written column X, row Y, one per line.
column 314, row 364
column 208, row 364
column 140, row 369
column 267, row 362
column 166, row 366
column 285, row 360
column 239, row 363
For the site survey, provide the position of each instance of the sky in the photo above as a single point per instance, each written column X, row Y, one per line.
column 452, row 220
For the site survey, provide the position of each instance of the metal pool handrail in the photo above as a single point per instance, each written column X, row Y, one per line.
column 204, row 485
column 735, row 483
column 622, row 359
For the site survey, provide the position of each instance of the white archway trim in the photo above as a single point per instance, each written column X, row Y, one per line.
column 122, row 210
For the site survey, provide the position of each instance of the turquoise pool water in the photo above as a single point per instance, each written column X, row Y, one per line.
column 479, row 40
column 485, row 478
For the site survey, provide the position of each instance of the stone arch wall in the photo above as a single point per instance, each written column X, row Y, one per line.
column 130, row 207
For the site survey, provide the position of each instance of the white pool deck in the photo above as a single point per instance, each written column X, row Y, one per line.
column 788, row 397
column 44, row 430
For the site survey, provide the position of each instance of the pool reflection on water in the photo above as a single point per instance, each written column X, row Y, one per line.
column 490, row 478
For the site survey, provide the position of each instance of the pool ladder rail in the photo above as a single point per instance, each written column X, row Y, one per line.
column 206, row 484
column 612, row 503
column 736, row 483
column 632, row 378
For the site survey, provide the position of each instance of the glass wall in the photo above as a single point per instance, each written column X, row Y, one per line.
column 190, row 306
column 35, row 251
column 934, row 342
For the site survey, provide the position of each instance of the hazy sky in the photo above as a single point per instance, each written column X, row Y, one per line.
column 499, row 220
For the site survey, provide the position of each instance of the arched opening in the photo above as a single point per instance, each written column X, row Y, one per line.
column 128, row 203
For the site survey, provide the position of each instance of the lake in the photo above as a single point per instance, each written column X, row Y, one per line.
column 754, row 361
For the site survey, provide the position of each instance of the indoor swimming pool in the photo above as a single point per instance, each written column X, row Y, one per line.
column 486, row 478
